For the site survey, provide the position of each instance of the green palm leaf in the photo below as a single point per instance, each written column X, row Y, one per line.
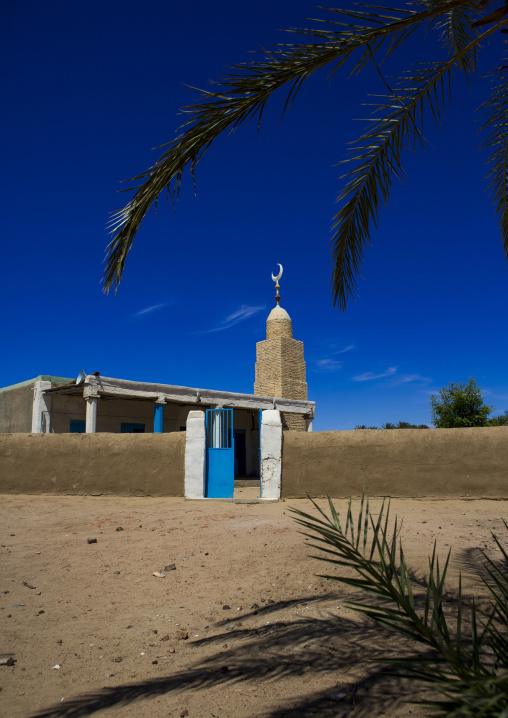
column 469, row 672
column 377, row 156
column 361, row 36
column 496, row 124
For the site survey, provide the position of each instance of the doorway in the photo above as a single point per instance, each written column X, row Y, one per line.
column 240, row 453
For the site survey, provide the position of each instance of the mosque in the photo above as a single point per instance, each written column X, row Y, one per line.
column 95, row 403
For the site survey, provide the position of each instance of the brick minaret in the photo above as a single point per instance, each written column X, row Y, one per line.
column 280, row 366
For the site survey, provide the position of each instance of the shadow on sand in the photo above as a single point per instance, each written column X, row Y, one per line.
column 304, row 647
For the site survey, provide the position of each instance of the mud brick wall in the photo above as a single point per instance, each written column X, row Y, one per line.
column 440, row 463
column 118, row 464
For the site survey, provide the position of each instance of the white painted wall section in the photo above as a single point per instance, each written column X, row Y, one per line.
column 41, row 408
column 195, row 456
column 271, row 454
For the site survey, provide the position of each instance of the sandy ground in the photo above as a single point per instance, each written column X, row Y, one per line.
column 240, row 627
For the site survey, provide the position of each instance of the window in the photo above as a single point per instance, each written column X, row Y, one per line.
column 77, row 426
column 127, row 428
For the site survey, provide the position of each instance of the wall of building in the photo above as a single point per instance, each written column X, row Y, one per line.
column 280, row 368
column 119, row 464
column 401, row 463
column 111, row 413
column 465, row 463
column 16, row 408
column 293, row 422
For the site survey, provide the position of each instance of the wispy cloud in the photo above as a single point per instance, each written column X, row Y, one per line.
column 406, row 378
column 370, row 375
column 328, row 365
column 241, row 314
column 397, row 379
column 148, row 310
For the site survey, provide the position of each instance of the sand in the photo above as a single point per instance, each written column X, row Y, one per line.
column 240, row 627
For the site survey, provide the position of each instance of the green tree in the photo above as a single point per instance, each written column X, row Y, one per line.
column 501, row 420
column 358, row 37
column 400, row 425
column 459, row 405
column 404, row 425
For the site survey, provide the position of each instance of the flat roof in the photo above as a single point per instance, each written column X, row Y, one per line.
column 42, row 377
column 126, row 389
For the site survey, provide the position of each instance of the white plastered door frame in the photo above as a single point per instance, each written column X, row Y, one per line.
column 270, row 455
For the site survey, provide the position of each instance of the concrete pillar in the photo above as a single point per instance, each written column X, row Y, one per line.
column 308, row 423
column 91, row 414
column 195, row 455
column 41, row 408
column 158, row 418
column 271, row 454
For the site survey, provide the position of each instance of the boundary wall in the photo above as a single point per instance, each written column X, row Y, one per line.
column 117, row 464
column 433, row 463
column 458, row 463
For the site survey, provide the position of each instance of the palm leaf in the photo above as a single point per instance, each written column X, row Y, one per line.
column 469, row 673
column 496, row 124
column 377, row 159
column 360, row 34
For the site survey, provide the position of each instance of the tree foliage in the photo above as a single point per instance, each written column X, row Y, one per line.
column 501, row 420
column 357, row 38
column 400, row 425
column 466, row 656
column 459, row 405
column 404, row 425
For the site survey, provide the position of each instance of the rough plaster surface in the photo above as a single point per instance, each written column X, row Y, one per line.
column 463, row 463
column 271, row 454
column 16, row 409
column 41, row 411
column 121, row 464
column 195, row 456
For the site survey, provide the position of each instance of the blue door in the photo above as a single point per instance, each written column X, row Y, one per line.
column 220, row 454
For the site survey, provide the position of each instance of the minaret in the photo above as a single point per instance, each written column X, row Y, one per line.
column 280, row 366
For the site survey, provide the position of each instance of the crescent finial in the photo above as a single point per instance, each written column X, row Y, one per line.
column 276, row 279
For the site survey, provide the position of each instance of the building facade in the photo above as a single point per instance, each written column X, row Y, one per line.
column 229, row 435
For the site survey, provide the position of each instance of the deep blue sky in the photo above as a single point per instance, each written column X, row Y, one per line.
column 90, row 88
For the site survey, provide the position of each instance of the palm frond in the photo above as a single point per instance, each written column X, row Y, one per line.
column 242, row 96
column 496, row 124
column 377, row 158
column 470, row 673
column 457, row 34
